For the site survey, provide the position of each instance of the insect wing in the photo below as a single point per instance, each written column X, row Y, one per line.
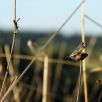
column 79, row 49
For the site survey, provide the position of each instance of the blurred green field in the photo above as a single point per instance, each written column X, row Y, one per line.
column 63, row 77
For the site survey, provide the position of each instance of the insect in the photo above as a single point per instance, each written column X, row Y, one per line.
column 78, row 53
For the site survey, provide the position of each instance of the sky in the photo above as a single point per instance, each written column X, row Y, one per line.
column 49, row 15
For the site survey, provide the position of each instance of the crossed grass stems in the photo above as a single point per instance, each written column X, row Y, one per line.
column 41, row 49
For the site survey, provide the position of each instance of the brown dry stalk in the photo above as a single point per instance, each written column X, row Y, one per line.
column 11, row 52
column 51, row 60
column 12, row 75
column 46, row 83
column 8, row 64
column 84, row 62
column 80, row 82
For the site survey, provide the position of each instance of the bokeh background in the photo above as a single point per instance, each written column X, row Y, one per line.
column 38, row 20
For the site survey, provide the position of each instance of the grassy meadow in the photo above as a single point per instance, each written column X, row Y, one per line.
column 62, row 77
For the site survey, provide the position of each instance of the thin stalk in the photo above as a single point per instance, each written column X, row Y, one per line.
column 46, row 83
column 84, row 62
column 93, row 21
column 5, row 77
column 41, row 49
column 11, row 52
column 51, row 60
column 11, row 73
column 80, row 82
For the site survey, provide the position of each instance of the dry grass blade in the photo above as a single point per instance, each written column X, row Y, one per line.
column 84, row 62
column 11, row 52
column 12, row 75
column 27, row 57
column 46, row 83
column 41, row 49
column 93, row 21
column 8, row 64
column 80, row 82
